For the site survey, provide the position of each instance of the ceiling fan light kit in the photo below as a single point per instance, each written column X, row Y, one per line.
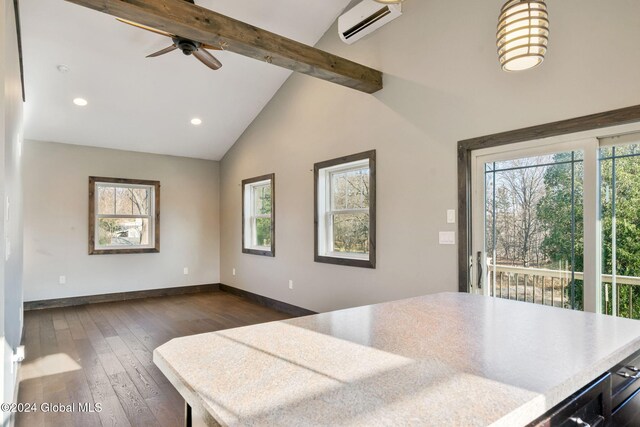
column 523, row 34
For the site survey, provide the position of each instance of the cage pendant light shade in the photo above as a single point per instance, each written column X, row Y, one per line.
column 523, row 34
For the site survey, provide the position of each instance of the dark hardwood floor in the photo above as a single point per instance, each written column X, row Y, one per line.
column 102, row 353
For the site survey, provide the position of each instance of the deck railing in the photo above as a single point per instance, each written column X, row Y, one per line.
column 553, row 287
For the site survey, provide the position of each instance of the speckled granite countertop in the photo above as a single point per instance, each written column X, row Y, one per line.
column 441, row 360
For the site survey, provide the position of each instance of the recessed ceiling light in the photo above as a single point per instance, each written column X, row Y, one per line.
column 63, row 68
column 196, row 121
column 80, row 102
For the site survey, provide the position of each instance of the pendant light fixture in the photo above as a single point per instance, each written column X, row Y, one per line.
column 523, row 34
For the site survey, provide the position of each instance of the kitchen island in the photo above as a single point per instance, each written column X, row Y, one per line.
column 448, row 359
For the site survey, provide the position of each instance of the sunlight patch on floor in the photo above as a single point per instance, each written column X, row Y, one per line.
column 48, row 365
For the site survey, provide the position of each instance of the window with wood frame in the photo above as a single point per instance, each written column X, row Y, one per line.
column 124, row 216
column 258, row 216
column 345, row 210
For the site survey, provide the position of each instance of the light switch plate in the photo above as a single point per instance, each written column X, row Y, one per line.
column 447, row 237
column 451, row 216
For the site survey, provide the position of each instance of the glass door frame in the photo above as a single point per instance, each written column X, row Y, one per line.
column 592, row 253
column 599, row 125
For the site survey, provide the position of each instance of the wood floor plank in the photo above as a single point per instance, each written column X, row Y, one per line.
column 31, row 391
column 79, row 393
column 138, row 413
column 136, row 347
column 59, row 320
column 101, row 321
column 145, row 384
column 75, row 326
column 48, row 341
column 93, row 333
column 55, row 392
column 112, row 413
column 104, row 354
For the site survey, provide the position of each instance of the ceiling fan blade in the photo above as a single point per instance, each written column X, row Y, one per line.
column 163, row 51
column 144, row 27
column 207, row 59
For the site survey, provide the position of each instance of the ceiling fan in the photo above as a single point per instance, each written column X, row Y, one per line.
column 188, row 47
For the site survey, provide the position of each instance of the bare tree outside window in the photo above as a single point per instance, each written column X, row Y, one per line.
column 124, row 216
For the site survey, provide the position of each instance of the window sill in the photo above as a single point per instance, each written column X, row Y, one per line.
column 346, row 261
column 94, row 251
column 257, row 251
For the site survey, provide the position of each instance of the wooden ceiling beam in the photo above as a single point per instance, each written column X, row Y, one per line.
column 206, row 26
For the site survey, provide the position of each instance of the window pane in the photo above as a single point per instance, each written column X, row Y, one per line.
column 262, row 199
column 620, row 150
column 106, row 197
column 507, row 165
column 351, row 233
column 123, row 232
column 358, row 189
column 124, row 204
column 534, row 223
column 620, row 221
column 140, row 200
column 263, row 232
column 350, row 190
column 339, row 191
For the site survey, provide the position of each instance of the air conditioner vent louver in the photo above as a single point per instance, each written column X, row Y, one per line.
column 362, row 25
column 365, row 18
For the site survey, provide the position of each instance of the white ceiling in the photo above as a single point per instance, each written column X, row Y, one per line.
column 144, row 104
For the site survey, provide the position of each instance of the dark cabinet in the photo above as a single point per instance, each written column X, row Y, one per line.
column 613, row 400
column 625, row 380
column 625, row 390
column 589, row 407
column 628, row 413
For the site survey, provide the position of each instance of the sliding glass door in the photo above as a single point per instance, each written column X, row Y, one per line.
column 530, row 222
column 559, row 224
column 619, row 170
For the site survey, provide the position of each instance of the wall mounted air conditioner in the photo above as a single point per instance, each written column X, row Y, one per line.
column 364, row 18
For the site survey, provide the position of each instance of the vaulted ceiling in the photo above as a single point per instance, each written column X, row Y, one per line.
column 146, row 105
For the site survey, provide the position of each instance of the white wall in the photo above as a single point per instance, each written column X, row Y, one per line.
column 442, row 84
column 11, row 191
column 56, row 222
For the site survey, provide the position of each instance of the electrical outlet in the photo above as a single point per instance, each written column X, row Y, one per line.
column 290, row 284
column 234, row 271
column 62, row 280
column 186, row 271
